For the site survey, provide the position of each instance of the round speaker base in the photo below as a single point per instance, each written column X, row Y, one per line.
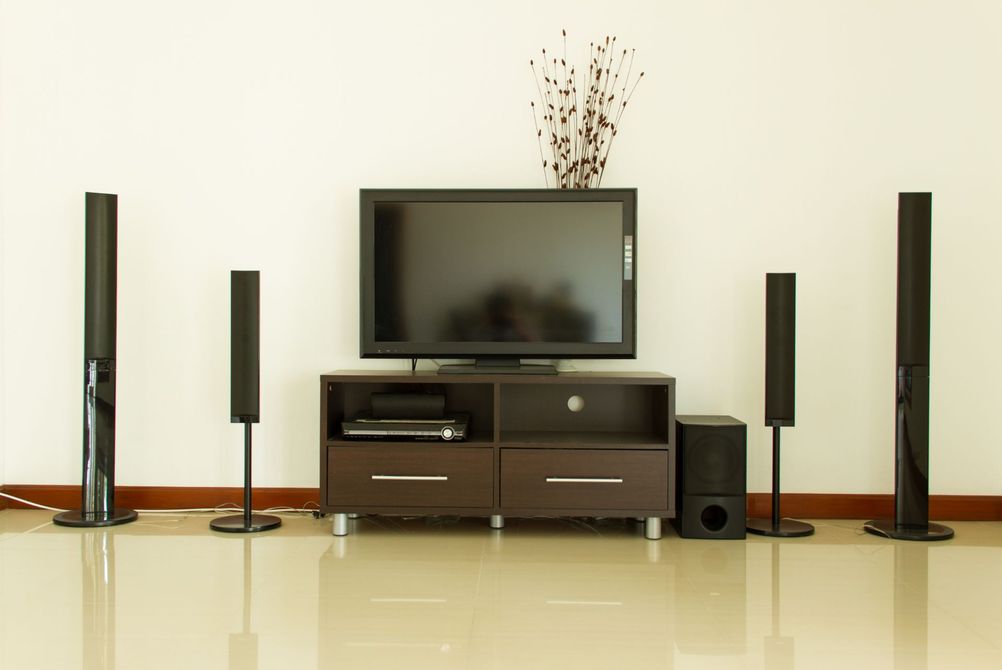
column 236, row 523
column 786, row 528
column 887, row 528
column 75, row 518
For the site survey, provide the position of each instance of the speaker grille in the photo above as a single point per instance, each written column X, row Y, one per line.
column 914, row 255
column 712, row 455
column 780, row 347
column 714, row 463
column 244, row 346
column 100, row 275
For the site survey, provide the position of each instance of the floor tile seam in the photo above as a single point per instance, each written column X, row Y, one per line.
column 484, row 554
column 963, row 622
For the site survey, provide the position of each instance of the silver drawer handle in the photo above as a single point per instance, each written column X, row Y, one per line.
column 414, row 478
column 585, row 480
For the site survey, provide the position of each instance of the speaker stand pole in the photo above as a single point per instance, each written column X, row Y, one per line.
column 97, row 494
column 777, row 527
column 911, row 468
column 248, row 522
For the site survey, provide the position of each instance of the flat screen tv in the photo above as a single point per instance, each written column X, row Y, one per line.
column 498, row 275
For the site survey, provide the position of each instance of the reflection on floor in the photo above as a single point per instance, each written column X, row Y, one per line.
column 166, row 592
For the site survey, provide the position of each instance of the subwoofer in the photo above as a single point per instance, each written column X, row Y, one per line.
column 711, row 474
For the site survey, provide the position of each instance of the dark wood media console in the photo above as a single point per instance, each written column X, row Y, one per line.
column 527, row 453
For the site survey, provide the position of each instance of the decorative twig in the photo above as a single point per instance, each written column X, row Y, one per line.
column 622, row 108
column 539, row 143
column 581, row 120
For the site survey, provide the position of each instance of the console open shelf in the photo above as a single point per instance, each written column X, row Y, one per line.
column 575, row 444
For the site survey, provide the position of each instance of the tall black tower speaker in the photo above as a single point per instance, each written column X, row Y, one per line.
column 911, row 428
column 245, row 389
column 780, row 380
column 710, row 492
column 97, row 504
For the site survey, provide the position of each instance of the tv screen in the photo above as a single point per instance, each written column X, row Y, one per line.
column 498, row 273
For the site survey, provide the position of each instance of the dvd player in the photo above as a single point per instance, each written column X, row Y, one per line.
column 451, row 427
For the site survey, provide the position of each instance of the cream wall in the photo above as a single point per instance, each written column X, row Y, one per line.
column 766, row 136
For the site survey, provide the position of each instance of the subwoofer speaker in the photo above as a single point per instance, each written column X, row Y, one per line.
column 710, row 491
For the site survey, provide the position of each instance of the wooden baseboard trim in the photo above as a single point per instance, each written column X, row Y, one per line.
column 801, row 505
column 166, row 497
column 823, row 505
column 873, row 506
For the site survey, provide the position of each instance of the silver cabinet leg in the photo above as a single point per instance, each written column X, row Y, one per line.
column 652, row 528
column 353, row 515
column 497, row 521
column 340, row 524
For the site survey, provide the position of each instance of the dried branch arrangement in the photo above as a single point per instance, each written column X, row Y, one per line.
column 580, row 128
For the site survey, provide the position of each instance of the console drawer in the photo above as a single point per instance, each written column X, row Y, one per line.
column 584, row 479
column 410, row 476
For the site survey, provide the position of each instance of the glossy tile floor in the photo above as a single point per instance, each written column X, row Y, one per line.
column 165, row 592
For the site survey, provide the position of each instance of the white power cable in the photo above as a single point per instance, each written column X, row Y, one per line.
column 31, row 504
column 219, row 510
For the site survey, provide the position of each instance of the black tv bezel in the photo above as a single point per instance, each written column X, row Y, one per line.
column 369, row 348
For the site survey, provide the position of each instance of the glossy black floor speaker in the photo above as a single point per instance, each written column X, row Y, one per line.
column 711, row 473
column 97, row 490
column 911, row 424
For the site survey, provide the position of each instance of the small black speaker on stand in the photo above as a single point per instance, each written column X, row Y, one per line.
column 911, row 428
column 97, row 505
column 245, row 383
column 780, row 367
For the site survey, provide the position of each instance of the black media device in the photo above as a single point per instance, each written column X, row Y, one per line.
column 453, row 426
column 407, row 416
column 498, row 275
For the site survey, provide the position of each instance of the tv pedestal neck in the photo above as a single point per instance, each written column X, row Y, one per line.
column 586, row 444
